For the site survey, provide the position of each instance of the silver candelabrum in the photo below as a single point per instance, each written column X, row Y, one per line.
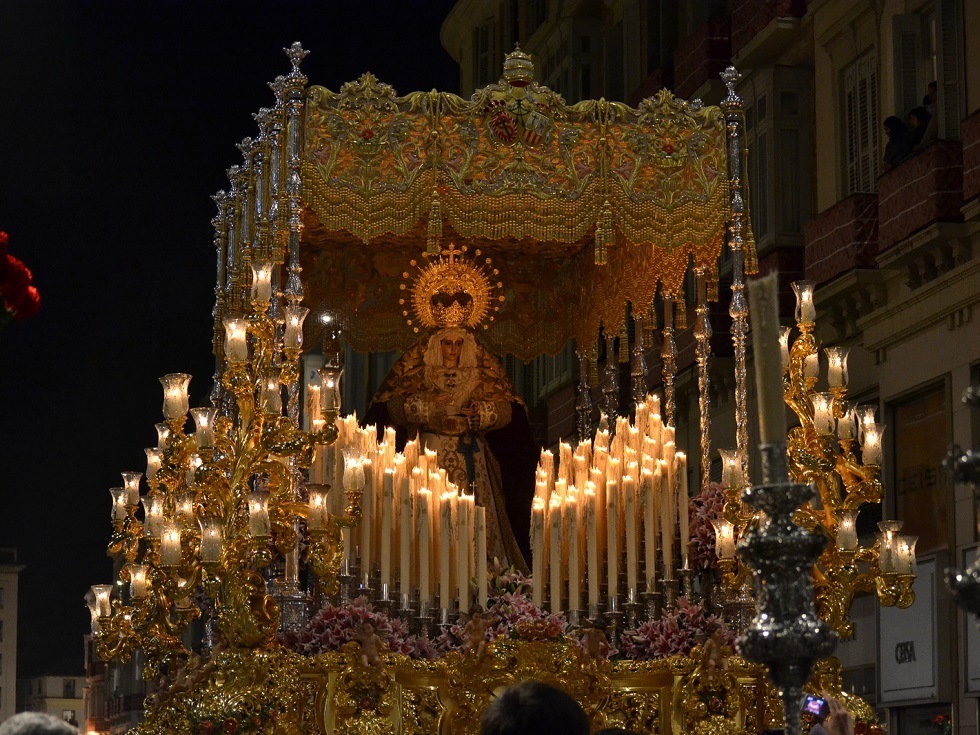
column 786, row 634
column 964, row 466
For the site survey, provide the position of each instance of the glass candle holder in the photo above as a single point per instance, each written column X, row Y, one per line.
column 865, row 417
column 731, row 468
column 154, row 460
column 847, row 425
column 836, row 367
column 236, row 342
column 185, row 510
column 330, row 388
column 211, row 538
column 163, row 435
column 316, row 518
column 847, row 538
column 823, row 413
column 784, row 333
column 259, row 525
column 271, row 396
column 119, row 512
column 204, row 426
column 724, row 538
column 194, row 463
column 811, row 366
column 131, row 483
column 102, row 600
column 905, row 554
column 806, row 312
column 170, row 545
column 175, row 403
column 293, row 335
column 139, row 581
column 261, row 280
column 887, row 556
column 153, row 513
column 872, row 444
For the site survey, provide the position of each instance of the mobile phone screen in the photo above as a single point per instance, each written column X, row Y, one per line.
column 813, row 705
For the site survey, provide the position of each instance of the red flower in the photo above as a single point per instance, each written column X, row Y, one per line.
column 17, row 296
column 367, row 133
column 667, row 148
column 230, row 726
column 206, row 727
column 3, row 242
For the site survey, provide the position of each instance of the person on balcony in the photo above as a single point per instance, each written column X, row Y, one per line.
column 898, row 147
column 923, row 129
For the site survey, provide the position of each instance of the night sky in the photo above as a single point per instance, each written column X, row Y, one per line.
column 117, row 123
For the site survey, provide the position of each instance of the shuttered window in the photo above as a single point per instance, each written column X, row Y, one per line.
column 860, row 93
column 951, row 106
column 483, row 65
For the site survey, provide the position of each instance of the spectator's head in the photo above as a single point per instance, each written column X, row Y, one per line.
column 36, row 723
column 534, row 708
column 919, row 116
column 894, row 126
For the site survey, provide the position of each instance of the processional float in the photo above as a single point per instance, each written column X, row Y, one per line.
column 284, row 526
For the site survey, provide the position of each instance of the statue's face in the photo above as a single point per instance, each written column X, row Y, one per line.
column 451, row 347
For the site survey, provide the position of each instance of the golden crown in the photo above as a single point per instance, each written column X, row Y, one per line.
column 452, row 291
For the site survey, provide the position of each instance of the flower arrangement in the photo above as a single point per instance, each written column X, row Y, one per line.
column 943, row 723
column 675, row 634
column 706, row 507
column 19, row 299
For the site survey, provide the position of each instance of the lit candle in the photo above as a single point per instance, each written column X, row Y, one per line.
column 154, row 460
column 764, row 316
column 163, row 435
column 131, row 484
column 806, row 312
column 887, row 557
column 871, row 451
column 593, row 569
column 666, row 520
column 138, row 581
column 683, row 505
column 463, row 522
column 847, row 538
column 784, row 333
column 730, row 470
column 119, row 511
column 317, row 514
column 572, row 510
column 185, row 510
column 175, row 403
column 236, row 343
column 537, row 552
column 366, row 526
column 836, row 367
column 846, row 429
column 445, row 549
column 865, row 417
column 329, row 389
column 423, row 524
column 480, row 525
column 823, row 413
column 170, row 545
column 554, row 561
column 271, row 392
column 724, row 538
column 210, row 541
column 261, row 280
column 293, row 335
column 259, row 526
column 612, row 537
column 905, row 554
column 203, row 423
column 649, row 527
column 103, row 601
column 405, row 538
column 632, row 552
column 153, row 510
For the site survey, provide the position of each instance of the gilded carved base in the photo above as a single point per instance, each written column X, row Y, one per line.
column 284, row 693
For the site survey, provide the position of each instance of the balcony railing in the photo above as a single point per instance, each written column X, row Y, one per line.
column 842, row 237
column 923, row 190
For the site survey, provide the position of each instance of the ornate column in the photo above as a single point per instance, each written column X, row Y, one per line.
column 610, row 388
column 668, row 355
column 638, row 363
column 739, row 310
column 702, row 336
column 583, row 403
column 220, row 224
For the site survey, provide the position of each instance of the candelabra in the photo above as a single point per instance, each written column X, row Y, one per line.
column 222, row 501
column 965, row 468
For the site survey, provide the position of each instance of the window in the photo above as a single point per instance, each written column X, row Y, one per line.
column 919, row 445
column 68, row 715
column 860, row 106
column 68, row 687
column 483, row 54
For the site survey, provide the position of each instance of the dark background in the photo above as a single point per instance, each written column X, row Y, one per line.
column 117, row 122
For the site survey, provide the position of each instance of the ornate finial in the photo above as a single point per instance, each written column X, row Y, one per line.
column 219, row 197
column 518, row 68
column 731, row 77
column 262, row 117
column 296, row 54
column 245, row 147
column 278, row 87
column 452, row 291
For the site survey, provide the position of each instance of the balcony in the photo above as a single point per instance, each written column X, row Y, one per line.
column 924, row 190
column 762, row 29
column 970, row 131
column 701, row 57
column 842, row 238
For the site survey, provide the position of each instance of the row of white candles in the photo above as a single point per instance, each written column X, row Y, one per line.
column 595, row 505
column 416, row 527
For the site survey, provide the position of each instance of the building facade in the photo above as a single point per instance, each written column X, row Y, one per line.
column 9, row 575
column 59, row 696
column 891, row 245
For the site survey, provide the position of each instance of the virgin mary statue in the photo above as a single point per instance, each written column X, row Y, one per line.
column 448, row 390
